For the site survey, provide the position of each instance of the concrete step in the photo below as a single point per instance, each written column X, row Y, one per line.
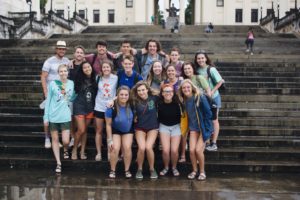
column 223, row 154
column 292, row 122
column 37, row 138
column 42, row 161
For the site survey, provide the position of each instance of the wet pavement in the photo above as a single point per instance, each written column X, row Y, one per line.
column 37, row 184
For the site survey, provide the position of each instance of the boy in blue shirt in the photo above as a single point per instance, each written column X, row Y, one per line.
column 127, row 76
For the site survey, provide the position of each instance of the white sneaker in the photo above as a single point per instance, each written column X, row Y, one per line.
column 251, row 54
column 42, row 105
column 71, row 142
column 248, row 50
column 47, row 143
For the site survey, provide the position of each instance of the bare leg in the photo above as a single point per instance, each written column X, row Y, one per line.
column 151, row 137
column 175, row 141
column 126, row 146
column 114, row 154
column 141, row 141
column 165, row 141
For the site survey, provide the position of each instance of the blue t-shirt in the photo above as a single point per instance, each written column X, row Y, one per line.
column 122, row 121
column 129, row 81
column 192, row 116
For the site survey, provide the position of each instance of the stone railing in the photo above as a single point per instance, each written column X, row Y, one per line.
column 267, row 19
column 80, row 20
column 22, row 27
column 286, row 20
column 60, row 21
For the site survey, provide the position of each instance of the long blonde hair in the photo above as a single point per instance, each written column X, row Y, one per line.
column 196, row 92
column 116, row 102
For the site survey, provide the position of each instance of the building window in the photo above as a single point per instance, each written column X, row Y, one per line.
column 96, row 14
column 239, row 15
column 254, row 15
column 81, row 14
column 269, row 11
column 220, row 3
column 129, row 3
column 60, row 13
column 111, row 16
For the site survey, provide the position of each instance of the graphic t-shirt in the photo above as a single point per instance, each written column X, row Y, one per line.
column 106, row 91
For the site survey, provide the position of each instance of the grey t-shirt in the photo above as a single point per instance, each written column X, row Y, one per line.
column 51, row 66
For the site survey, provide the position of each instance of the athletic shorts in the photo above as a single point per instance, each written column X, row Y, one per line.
column 87, row 116
column 59, row 126
column 99, row 114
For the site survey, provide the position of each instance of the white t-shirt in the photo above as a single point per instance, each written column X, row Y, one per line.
column 106, row 92
column 51, row 66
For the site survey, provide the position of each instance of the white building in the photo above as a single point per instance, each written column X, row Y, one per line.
column 139, row 12
column 8, row 6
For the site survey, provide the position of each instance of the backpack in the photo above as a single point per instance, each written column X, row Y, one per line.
column 222, row 87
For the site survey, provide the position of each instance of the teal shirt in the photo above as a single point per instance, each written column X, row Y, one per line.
column 56, row 108
column 214, row 74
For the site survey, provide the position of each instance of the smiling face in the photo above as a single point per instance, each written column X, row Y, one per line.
column 157, row 68
column 188, row 70
column 171, row 72
column 142, row 92
column 101, row 49
column 63, row 72
column 201, row 60
column 187, row 89
column 152, row 48
column 79, row 54
column 127, row 65
column 125, row 48
column 60, row 52
column 106, row 69
column 123, row 96
column 168, row 93
column 87, row 69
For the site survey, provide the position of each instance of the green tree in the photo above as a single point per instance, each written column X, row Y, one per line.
column 42, row 4
column 189, row 13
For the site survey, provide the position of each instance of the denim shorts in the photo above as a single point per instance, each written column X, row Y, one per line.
column 170, row 130
column 217, row 101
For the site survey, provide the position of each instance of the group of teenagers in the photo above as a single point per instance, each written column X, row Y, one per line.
column 133, row 94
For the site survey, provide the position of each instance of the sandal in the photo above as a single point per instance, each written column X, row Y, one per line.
column 66, row 155
column 164, row 172
column 202, row 177
column 74, row 156
column 175, row 172
column 192, row 175
column 112, row 174
column 128, row 174
column 83, row 156
column 98, row 157
column 182, row 160
column 58, row 168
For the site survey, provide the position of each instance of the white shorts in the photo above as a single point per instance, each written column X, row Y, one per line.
column 170, row 130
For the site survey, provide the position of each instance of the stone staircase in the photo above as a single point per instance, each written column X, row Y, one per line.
column 260, row 130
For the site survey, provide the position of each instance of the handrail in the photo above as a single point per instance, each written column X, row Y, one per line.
column 60, row 21
column 288, row 19
column 267, row 19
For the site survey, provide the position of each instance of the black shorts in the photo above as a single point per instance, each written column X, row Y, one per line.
column 99, row 114
column 117, row 132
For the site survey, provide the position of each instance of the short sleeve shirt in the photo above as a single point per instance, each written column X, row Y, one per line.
column 129, row 81
column 123, row 120
column 51, row 66
column 146, row 113
column 106, row 92
column 200, row 82
column 215, row 75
